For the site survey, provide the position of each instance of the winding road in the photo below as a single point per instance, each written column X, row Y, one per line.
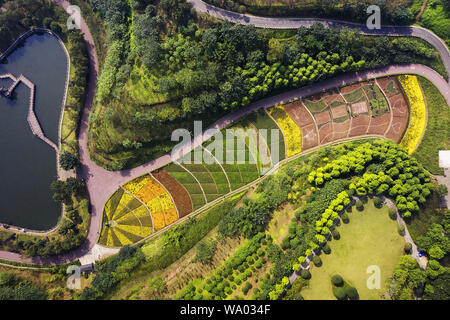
column 102, row 183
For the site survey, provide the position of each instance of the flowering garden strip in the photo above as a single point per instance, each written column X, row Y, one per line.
column 136, row 184
column 158, row 220
column 354, row 96
column 180, row 195
column 418, row 112
column 107, row 210
column 127, row 234
column 115, row 199
column 314, row 107
column 188, row 182
column 261, row 120
column 292, row 133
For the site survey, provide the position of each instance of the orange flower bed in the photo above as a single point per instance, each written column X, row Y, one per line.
column 145, row 195
column 171, row 216
column 155, row 187
column 158, row 220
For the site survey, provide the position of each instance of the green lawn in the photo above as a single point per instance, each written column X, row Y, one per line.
column 370, row 238
column 437, row 133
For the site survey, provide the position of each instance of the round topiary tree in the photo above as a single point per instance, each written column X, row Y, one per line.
column 317, row 261
column 339, row 293
column 345, row 218
column 351, row 293
column 392, row 213
column 377, row 202
column 326, row 248
column 408, row 247
column 359, row 205
column 401, row 229
column 337, row 280
column 336, row 235
column 305, row 274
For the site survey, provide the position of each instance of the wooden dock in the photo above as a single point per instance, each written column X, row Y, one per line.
column 32, row 120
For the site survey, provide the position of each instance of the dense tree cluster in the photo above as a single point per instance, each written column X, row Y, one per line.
column 12, row 287
column 403, row 179
column 192, row 72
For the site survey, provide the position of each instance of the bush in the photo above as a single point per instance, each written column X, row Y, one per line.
column 68, row 161
column 359, row 205
column 337, row 280
column 345, row 218
column 336, row 235
column 317, row 261
column 352, row 293
column 392, row 213
column 408, row 247
column 377, row 202
column 339, row 293
column 305, row 274
column 326, row 248
column 401, row 229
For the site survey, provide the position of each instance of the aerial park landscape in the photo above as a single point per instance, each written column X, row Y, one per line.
column 312, row 145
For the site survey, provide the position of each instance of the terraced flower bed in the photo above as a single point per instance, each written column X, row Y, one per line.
column 292, row 133
column 418, row 112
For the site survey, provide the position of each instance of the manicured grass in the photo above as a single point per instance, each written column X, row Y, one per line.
column 437, row 133
column 370, row 238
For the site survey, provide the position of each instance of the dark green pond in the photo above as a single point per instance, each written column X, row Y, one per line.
column 28, row 165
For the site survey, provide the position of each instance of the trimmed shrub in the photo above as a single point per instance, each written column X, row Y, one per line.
column 408, row 247
column 377, row 202
column 345, row 218
column 392, row 213
column 317, row 261
column 336, row 235
column 337, row 280
column 359, row 205
column 401, row 229
column 339, row 293
column 351, row 293
column 364, row 199
column 326, row 249
column 305, row 274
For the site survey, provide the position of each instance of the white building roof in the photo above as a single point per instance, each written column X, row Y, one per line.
column 444, row 158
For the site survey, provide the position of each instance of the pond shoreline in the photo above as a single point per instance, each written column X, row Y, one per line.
column 61, row 174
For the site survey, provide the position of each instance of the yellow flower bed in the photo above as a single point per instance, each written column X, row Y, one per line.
column 155, row 187
column 158, row 220
column 154, row 205
column 136, row 230
column 109, row 241
column 141, row 212
column 166, row 201
column 292, row 133
column 145, row 194
column 107, row 210
column 123, row 240
column 135, row 185
column 126, row 198
column 418, row 113
column 171, row 216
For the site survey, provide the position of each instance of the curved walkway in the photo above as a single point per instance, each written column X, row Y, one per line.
column 293, row 23
column 102, row 183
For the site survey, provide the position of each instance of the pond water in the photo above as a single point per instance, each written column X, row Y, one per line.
column 28, row 164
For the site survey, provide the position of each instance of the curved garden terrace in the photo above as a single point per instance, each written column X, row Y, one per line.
column 373, row 108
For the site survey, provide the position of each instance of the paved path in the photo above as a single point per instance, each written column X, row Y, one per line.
column 102, row 183
column 293, row 23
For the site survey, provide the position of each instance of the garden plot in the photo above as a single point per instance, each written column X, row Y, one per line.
column 298, row 112
column 292, row 133
column 377, row 101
